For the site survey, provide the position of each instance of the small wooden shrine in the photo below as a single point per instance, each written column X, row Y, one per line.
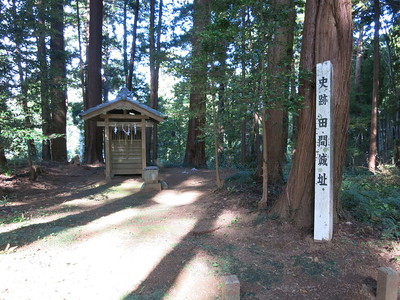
column 124, row 121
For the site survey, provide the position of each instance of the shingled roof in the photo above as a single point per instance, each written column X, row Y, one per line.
column 123, row 101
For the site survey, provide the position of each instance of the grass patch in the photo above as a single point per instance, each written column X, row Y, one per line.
column 13, row 219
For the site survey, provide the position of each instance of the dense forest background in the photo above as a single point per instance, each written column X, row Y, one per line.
column 233, row 76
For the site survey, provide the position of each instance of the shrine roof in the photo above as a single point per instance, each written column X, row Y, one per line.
column 123, row 101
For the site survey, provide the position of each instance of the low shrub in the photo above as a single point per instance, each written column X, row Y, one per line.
column 374, row 199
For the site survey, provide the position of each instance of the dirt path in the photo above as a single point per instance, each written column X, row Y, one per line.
column 71, row 235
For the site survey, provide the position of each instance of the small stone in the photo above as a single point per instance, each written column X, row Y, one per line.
column 387, row 284
column 151, row 187
column 164, row 185
column 230, row 287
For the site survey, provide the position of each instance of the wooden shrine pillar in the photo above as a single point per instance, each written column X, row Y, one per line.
column 108, row 147
column 144, row 158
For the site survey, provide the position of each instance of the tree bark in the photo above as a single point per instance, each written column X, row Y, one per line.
column 3, row 160
column 373, row 138
column 359, row 59
column 243, row 128
column 23, row 84
column 82, row 69
column 133, row 49
column 278, row 81
column 58, row 83
column 262, row 204
column 93, row 134
column 44, row 79
column 125, row 38
column 195, row 145
column 327, row 35
column 155, row 49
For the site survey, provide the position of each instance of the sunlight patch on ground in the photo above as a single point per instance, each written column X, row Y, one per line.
column 38, row 220
column 112, row 220
column 106, row 265
column 177, row 198
column 195, row 281
column 131, row 184
column 81, row 202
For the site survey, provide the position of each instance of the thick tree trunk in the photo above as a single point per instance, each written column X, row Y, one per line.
column 82, row 70
column 58, row 84
column 278, row 82
column 327, row 36
column 44, row 80
column 373, row 138
column 195, row 145
column 93, row 134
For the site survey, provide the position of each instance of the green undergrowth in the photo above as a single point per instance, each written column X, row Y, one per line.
column 240, row 181
column 374, row 199
column 12, row 219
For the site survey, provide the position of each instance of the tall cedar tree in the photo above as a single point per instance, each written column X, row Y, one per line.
column 82, row 75
column 44, row 78
column 18, row 41
column 155, row 48
column 133, row 48
column 280, row 55
column 3, row 159
column 373, row 138
column 93, row 134
column 327, row 35
column 58, row 83
column 195, row 145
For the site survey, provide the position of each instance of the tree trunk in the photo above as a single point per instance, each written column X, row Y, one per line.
column 373, row 138
column 155, row 49
column 255, row 138
column 3, row 160
column 359, row 59
column 23, row 85
column 195, row 144
column 327, row 35
column 243, row 145
column 82, row 74
column 44, row 80
column 125, row 38
column 58, row 83
column 93, row 134
column 278, row 82
column 243, row 127
column 219, row 182
column 133, row 50
column 262, row 204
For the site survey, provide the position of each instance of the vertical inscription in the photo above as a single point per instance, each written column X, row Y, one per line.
column 323, row 213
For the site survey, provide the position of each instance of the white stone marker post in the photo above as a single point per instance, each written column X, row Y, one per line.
column 323, row 211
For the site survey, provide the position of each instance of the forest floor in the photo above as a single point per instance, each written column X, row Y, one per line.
column 72, row 235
